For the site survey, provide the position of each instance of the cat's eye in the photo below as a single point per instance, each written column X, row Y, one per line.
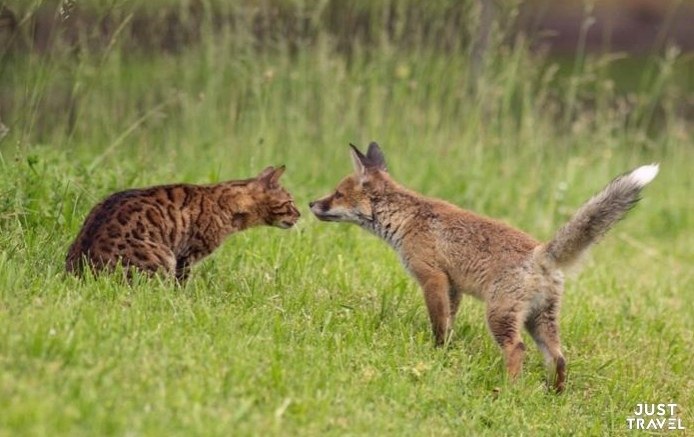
column 337, row 195
column 284, row 205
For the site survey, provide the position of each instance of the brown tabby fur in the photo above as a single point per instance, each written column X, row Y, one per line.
column 168, row 228
column 451, row 251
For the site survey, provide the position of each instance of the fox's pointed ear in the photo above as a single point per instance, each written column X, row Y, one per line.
column 375, row 157
column 359, row 160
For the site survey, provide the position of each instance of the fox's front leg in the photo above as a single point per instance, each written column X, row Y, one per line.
column 436, row 287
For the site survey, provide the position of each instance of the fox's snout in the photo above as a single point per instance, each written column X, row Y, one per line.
column 318, row 207
column 323, row 210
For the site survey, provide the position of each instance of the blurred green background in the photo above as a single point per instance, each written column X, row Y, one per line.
column 517, row 110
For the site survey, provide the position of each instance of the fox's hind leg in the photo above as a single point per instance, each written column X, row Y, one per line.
column 505, row 323
column 542, row 325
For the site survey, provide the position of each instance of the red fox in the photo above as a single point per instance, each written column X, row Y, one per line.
column 451, row 251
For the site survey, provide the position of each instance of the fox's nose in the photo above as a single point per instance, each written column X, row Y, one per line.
column 310, row 204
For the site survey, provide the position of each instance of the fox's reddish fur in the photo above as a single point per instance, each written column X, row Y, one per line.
column 451, row 252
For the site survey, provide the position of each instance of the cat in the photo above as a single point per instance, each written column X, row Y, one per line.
column 168, row 228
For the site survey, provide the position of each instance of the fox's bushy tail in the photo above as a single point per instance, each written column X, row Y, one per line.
column 597, row 216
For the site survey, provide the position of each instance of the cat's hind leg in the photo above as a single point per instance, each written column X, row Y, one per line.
column 182, row 270
column 149, row 257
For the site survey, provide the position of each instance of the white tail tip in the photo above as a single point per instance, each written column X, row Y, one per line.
column 644, row 174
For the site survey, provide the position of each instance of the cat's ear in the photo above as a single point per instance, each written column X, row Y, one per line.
column 265, row 173
column 279, row 171
column 270, row 176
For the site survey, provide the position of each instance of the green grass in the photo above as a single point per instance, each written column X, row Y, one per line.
column 319, row 330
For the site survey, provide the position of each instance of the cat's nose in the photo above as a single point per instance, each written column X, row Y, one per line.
column 310, row 204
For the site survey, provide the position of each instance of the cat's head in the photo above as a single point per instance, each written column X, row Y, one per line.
column 278, row 208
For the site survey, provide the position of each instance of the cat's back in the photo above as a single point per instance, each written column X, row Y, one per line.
column 126, row 216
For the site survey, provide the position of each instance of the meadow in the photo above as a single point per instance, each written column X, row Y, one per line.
column 318, row 330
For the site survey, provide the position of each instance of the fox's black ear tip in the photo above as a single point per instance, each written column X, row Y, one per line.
column 374, row 148
column 356, row 149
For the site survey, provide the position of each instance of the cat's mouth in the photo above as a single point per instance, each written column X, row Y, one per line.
column 286, row 224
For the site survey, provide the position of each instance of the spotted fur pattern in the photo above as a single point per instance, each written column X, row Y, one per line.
column 168, row 228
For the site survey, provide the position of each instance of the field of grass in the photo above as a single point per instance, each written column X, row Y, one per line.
column 318, row 330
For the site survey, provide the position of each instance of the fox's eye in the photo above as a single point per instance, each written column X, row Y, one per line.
column 337, row 195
